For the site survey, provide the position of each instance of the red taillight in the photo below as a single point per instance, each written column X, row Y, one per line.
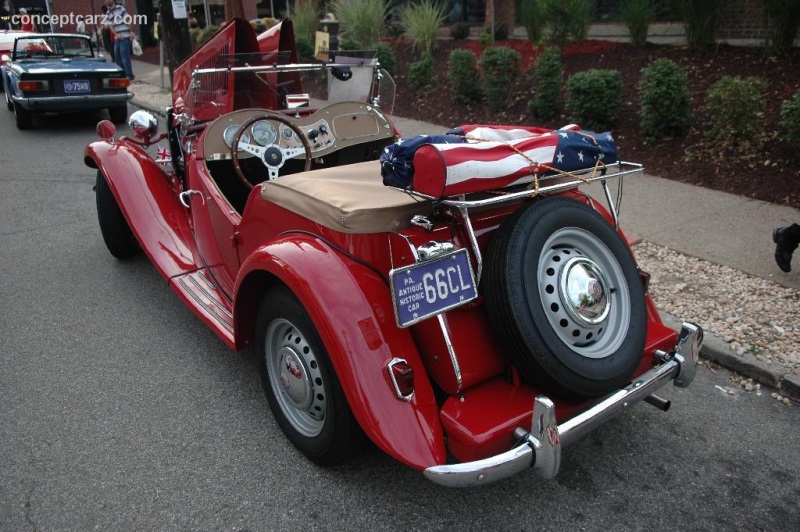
column 402, row 376
column 33, row 85
column 116, row 83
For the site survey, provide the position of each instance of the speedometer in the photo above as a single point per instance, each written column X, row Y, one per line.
column 230, row 132
column 264, row 133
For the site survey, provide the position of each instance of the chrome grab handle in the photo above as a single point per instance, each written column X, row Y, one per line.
column 183, row 197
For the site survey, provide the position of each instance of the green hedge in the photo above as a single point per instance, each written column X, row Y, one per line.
column 462, row 71
column 736, row 106
column 500, row 67
column 664, row 100
column 593, row 98
column 547, row 80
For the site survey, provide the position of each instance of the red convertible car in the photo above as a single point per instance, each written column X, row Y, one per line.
column 457, row 299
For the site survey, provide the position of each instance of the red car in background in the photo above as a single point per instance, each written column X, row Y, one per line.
column 471, row 321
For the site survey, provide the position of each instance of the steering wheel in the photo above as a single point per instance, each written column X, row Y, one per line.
column 273, row 156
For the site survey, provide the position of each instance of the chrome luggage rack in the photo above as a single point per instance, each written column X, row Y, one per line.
column 555, row 183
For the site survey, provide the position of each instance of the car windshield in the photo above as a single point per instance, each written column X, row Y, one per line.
column 349, row 76
column 52, row 46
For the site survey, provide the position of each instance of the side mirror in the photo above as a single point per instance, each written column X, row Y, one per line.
column 144, row 125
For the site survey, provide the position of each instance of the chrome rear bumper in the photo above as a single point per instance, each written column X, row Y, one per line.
column 541, row 448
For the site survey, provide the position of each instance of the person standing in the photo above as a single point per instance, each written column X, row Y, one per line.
column 117, row 19
column 26, row 21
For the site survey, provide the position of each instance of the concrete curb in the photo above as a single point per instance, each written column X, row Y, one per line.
column 747, row 365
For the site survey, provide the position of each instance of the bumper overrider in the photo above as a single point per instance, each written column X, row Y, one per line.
column 540, row 449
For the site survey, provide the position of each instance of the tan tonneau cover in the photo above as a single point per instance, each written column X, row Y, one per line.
column 349, row 199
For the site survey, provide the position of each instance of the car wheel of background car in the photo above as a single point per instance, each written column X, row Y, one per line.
column 302, row 389
column 273, row 150
column 118, row 114
column 565, row 299
column 116, row 233
column 23, row 116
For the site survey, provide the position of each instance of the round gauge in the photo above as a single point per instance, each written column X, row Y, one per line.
column 264, row 133
column 287, row 133
column 230, row 132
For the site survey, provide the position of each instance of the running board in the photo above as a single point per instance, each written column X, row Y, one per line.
column 200, row 295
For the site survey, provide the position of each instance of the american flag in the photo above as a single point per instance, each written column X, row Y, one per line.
column 502, row 156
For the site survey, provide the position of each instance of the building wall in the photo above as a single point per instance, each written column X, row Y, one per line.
column 742, row 19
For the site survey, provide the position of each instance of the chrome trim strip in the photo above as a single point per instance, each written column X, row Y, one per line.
column 443, row 325
column 541, row 448
column 210, row 295
column 205, row 306
column 473, row 242
column 611, row 206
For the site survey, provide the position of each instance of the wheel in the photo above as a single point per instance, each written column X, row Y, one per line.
column 565, row 299
column 302, row 389
column 23, row 116
column 273, row 156
column 118, row 114
column 116, row 233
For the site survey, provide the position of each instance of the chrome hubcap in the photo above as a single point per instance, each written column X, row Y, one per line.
column 295, row 378
column 583, row 292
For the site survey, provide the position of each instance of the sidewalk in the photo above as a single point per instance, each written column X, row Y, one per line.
column 719, row 228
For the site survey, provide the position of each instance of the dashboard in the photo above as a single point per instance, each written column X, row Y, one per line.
column 326, row 130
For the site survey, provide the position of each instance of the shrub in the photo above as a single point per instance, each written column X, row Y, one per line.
column 736, row 106
column 530, row 14
column 547, row 79
column 420, row 72
column 462, row 71
column 305, row 50
column 459, row 31
column 568, row 18
column 500, row 67
column 305, row 17
column 664, row 99
column 700, row 18
column 386, row 57
column 790, row 116
column 360, row 21
column 348, row 44
column 486, row 38
column 422, row 21
column 783, row 21
column 204, row 34
column 637, row 15
column 593, row 98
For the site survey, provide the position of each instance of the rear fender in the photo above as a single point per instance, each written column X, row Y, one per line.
column 149, row 203
column 350, row 306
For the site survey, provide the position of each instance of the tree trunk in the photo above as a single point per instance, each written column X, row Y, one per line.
column 175, row 35
column 504, row 14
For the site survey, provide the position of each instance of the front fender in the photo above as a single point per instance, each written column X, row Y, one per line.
column 352, row 310
column 148, row 202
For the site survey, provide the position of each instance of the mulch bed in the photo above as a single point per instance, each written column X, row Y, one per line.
column 771, row 173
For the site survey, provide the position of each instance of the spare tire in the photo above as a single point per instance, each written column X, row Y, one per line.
column 565, row 299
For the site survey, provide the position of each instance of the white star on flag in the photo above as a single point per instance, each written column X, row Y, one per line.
column 580, row 156
column 560, row 157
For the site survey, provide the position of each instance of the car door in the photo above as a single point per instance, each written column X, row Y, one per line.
column 214, row 223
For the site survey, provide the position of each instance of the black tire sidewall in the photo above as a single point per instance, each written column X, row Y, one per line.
column 117, row 234
column 336, row 441
column 579, row 375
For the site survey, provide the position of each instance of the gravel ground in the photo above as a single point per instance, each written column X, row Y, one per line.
column 751, row 314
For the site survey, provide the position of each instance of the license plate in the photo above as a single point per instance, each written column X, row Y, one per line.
column 76, row 86
column 429, row 288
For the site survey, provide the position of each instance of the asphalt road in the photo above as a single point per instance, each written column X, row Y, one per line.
column 119, row 410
